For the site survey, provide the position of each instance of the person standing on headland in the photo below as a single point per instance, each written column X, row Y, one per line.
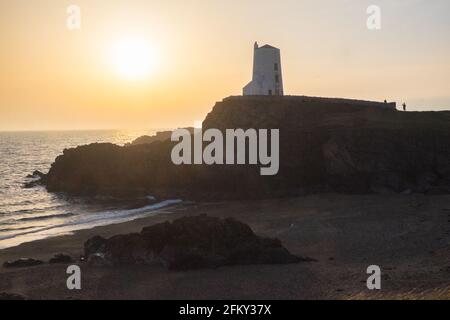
column 404, row 106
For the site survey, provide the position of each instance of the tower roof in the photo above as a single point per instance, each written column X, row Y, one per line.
column 267, row 46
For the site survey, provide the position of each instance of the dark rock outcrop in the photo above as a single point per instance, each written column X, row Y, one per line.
column 61, row 258
column 159, row 136
column 94, row 245
column 6, row 296
column 22, row 263
column 326, row 145
column 36, row 174
column 190, row 243
column 37, row 179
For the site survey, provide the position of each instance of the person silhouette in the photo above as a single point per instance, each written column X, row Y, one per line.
column 404, row 106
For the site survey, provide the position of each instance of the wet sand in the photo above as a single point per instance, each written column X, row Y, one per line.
column 408, row 236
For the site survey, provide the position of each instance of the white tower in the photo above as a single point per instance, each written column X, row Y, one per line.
column 267, row 77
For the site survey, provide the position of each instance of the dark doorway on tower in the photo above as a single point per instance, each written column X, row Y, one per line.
column 270, row 92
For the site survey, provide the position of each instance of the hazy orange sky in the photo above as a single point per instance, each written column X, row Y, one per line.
column 54, row 78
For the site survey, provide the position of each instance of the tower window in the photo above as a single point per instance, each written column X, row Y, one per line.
column 277, row 79
column 270, row 92
column 276, row 67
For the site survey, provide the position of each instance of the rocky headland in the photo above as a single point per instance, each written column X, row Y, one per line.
column 326, row 145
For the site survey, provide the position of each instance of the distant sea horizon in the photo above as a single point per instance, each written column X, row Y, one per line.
column 32, row 214
column 129, row 130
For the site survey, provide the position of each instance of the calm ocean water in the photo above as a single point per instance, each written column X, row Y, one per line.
column 31, row 214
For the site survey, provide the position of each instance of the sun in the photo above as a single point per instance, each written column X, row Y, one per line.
column 134, row 58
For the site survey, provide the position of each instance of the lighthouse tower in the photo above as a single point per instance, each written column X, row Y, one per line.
column 267, row 77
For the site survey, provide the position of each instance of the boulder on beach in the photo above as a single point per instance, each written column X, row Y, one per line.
column 190, row 243
column 61, row 258
column 22, row 263
column 6, row 296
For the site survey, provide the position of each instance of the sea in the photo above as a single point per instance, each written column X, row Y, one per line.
column 33, row 214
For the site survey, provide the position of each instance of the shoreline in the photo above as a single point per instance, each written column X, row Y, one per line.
column 408, row 236
column 111, row 229
column 122, row 216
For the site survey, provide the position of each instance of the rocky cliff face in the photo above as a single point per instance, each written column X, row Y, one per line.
column 326, row 145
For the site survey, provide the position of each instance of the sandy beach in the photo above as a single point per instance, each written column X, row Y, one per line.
column 408, row 236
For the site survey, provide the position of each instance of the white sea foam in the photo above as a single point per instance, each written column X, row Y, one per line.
column 83, row 222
